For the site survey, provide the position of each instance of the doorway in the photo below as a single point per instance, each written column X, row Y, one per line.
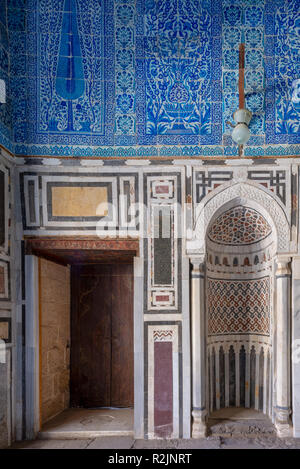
column 106, row 271
column 101, row 336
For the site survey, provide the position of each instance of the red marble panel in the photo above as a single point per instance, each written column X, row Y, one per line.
column 163, row 389
column 162, row 297
column 162, row 190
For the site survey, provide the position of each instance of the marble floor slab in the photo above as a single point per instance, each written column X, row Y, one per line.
column 89, row 423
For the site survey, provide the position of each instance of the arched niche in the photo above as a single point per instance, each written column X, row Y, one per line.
column 239, row 306
column 276, row 254
column 243, row 193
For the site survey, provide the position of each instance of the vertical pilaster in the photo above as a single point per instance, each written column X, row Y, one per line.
column 227, row 376
column 247, row 379
column 32, row 347
column 199, row 411
column 186, row 350
column 212, row 384
column 218, row 391
column 282, row 365
column 296, row 346
column 266, row 394
column 138, row 348
column 257, row 379
column 237, row 376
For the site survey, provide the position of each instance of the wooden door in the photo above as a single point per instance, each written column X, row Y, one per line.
column 102, row 336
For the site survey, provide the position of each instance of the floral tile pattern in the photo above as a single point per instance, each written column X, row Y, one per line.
column 5, row 109
column 244, row 22
column 72, row 81
column 178, row 90
column 125, row 126
column 148, row 77
column 283, row 41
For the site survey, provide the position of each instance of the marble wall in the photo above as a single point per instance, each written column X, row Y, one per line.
column 162, row 276
column 4, row 405
column 113, row 78
column 6, row 306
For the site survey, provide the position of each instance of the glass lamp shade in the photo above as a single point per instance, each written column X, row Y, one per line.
column 241, row 134
column 242, row 116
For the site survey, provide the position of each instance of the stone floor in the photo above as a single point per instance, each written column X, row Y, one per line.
column 239, row 422
column 85, row 428
column 89, row 423
column 126, row 442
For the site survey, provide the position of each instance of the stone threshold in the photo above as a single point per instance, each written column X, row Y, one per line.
column 80, row 435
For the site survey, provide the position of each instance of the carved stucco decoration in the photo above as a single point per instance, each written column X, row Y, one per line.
column 206, row 210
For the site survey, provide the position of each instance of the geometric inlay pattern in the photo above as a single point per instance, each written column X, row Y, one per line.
column 163, row 335
column 275, row 181
column 163, row 248
column 238, row 306
column 205, row 182
column 239, row 226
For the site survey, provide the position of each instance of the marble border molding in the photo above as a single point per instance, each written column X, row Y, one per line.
column 64, row 243
column 4, row 248
column 163, row 191
column 67, row 181
column 169, row 332
column 31, row 200
column 5, row 269
column 198, row 334
column 122, row 190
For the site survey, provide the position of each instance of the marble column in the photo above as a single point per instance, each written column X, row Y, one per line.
column 199, row 411
column 282, row 343
column 138, row 347
column 296, row 346
column 32, row 347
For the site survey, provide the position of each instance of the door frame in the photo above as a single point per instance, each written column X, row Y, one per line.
column 42, row 247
